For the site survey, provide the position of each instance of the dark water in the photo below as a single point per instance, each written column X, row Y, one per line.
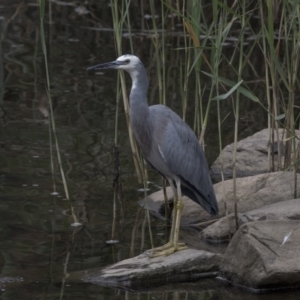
column 37, row 242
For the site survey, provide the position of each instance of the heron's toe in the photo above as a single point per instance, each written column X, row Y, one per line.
column 165, row 250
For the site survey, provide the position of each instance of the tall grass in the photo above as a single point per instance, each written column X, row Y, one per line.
column 237, row 105
column 281, row 40
column 283, row 71
column 121, row 17
column 209, row 75
column 119, row 14
column 52, row 126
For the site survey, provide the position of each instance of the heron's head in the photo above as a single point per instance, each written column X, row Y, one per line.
column 126, row 62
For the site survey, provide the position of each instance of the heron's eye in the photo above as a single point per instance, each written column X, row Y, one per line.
column 127, row 61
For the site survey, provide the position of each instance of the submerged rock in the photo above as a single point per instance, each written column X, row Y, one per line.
column 252, row 192
column 141, row 270
column 285, row 210
column 6, row 279
column 252, row 155
column 256, row 258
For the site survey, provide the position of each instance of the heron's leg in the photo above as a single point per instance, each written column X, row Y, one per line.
column 173, row 245
column 178, row 217
column 170, row 243
column 177, row 199
column 174, row 213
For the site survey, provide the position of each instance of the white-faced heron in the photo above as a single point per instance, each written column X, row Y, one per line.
column 168, row 145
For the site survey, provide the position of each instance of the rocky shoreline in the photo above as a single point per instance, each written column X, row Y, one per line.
column 263, row 254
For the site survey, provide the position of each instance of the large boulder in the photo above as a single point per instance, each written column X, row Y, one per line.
column 252, row 155
column 257, row 259
column 142, row 271
column 256, row 191
column 220, row 230
column 252, row 192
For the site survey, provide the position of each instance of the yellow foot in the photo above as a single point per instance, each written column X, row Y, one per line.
column 166, row 249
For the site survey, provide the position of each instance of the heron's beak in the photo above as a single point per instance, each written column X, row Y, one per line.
column 110, row 65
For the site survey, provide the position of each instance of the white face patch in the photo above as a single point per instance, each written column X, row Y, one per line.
column 133, row 67
column 134, row 61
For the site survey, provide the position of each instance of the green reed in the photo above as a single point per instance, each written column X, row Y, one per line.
column 119, row 14
column 291, row 21
column 221, row 30
column 116, row 183
column 200, row 54
column 52, row 130
column 121, row 17
column 282, row 65
column 223, row 18
column 158, row 57
column 237, row 108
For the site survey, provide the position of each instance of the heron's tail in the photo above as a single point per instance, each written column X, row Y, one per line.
column 208, row 202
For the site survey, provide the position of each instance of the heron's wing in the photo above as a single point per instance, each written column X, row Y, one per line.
column 183, row 155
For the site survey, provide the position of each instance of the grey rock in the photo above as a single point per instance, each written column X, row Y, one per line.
column 252, row 155
column 285, row 210
column 252, row 192
column 156, row 202
column 256, row 191
column 256, row 258
column 189, row 236
column 141, row 270
column 191, row 214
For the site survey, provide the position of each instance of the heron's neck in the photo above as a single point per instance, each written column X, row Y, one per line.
column 139, row 110
column 138, row 94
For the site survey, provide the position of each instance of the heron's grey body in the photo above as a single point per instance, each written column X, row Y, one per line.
column 167, row 143
column 170, row 146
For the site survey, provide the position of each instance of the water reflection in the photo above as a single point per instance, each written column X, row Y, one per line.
column 37, row 241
